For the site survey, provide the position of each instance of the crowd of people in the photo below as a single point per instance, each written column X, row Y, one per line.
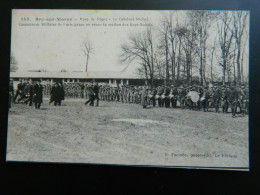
column 32, row 92
column 193, row 97
column 76, row 90
column 28, row 93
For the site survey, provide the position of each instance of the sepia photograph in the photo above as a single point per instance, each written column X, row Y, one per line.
column 130, row 87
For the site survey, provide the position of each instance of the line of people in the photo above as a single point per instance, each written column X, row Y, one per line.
column 74, row 90
column 162, row 96
column 214, row 97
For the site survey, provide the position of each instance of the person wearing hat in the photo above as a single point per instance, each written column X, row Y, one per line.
column 144, row 97
column 233, row 98
column 30, row 94
column 91, row 96
column 181, row 96
column 167, row 92
column 225, row 99
column 241, row 99
column 37, row 90
column 61, row 93
column 153, row 94
column 20, row 91
column 216, row 96
column 96, row 93
column 159, row 93
column 174, row 94
column 205, row 99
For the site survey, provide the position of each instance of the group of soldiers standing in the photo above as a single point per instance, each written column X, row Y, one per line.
column 74, row 90
column 193, row 97
column 163, row 96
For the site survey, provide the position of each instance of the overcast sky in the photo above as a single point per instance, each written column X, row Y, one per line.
column 57, row 47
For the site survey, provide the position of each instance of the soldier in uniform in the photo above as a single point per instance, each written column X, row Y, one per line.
column 159, row 93
column 225, row 94
column 167, row 98
column 181, row 96
column 205, row 99
column 154, row 92
column 216, row 97
column 174, row 94
column 233, row 98
column 144, row 97
column 136, row 94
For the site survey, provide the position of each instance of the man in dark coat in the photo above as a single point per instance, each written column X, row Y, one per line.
column 91, row 95
column 19, row 90
column 29, row 92
column 52, row 91
column 96, row 92
column 37, row 94
column 174, row 94
column 233, row 98
column 61, row 93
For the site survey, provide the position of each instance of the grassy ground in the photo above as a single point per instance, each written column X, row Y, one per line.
column 116, row 133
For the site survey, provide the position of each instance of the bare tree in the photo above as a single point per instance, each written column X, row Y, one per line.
column 225, row 33
column 212, row 52
column 202, row 21
column 88, row 50
column 140, row 48
column 164, row 46
column 13, row 63
column 239, row 24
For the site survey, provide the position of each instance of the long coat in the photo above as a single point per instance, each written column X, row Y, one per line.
column 144, row 97
column 37, row 93
column 61, row 93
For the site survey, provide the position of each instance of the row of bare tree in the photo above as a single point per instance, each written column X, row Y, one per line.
column 207, row 46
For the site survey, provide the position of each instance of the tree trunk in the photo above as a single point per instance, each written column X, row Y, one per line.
column 166, row 63
column 224, row 75
column 173, row 62
column 87, row 64
column 204, row 65
column 201, row 68
column 238, row 66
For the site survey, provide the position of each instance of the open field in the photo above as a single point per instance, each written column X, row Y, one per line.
column 116, row 133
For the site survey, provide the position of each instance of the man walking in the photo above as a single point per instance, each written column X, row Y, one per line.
column 91, row 95
column 96, row 93
column 38, row 94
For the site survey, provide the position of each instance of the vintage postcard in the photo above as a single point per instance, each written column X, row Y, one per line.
column 128, row 87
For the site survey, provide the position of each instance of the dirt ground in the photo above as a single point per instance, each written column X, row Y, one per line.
column 116, row 133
